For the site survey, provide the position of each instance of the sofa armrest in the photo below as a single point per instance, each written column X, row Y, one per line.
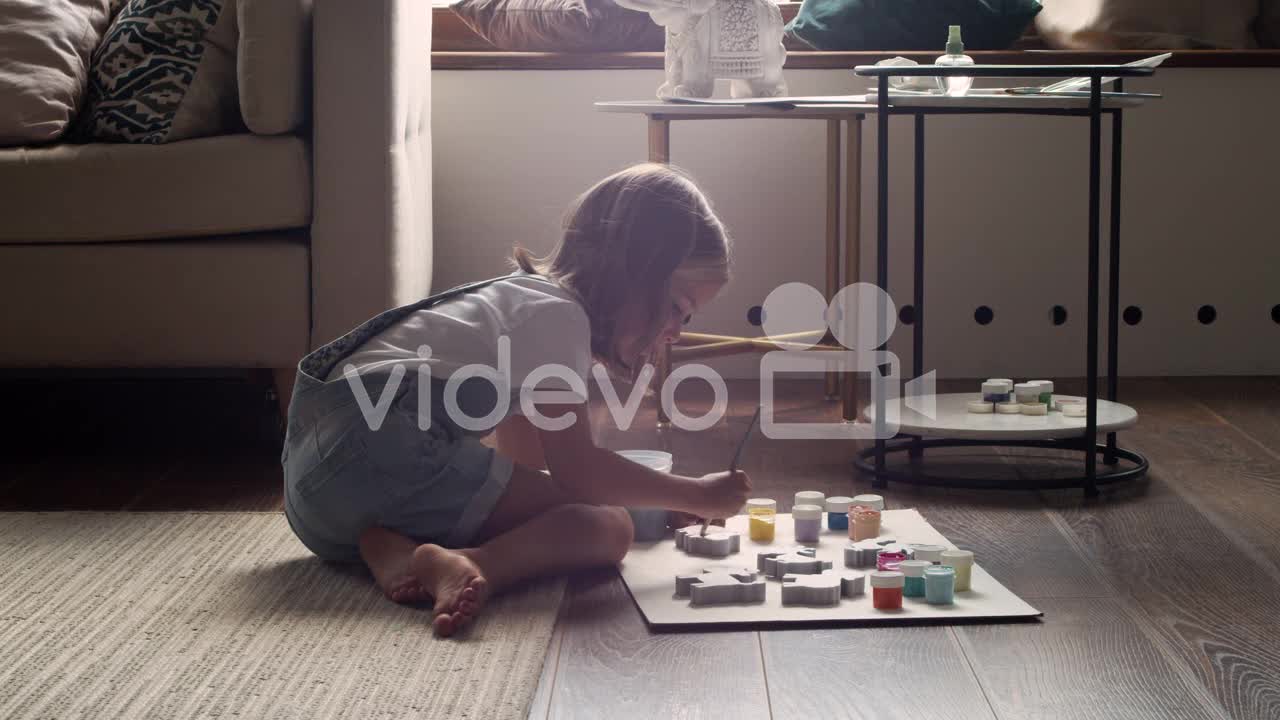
column 371, row 235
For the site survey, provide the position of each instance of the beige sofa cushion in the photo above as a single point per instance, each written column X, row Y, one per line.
column 274, row 64
column 1150, row 24
column 45, row 46
column 104, row 192
column 242, row 301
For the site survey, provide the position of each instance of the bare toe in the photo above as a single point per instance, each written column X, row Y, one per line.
column 454, row 581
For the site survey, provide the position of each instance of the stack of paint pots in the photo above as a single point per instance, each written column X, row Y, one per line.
column 1005, row 397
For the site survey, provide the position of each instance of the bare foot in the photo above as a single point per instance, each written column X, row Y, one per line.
column 454, row 581
column 388, row 554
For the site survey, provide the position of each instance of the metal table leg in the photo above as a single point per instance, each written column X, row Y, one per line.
column 660, row 152
column 1095, row 163
column 1113, row 289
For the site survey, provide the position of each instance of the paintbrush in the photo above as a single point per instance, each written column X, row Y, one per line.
column 737, row 455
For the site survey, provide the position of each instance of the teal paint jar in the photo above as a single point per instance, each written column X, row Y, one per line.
column 940, row 585
column 913, row 586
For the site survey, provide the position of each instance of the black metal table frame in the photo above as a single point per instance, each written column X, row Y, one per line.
column 1088, row 444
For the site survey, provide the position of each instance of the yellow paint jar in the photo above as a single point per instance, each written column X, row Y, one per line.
column 762, row 519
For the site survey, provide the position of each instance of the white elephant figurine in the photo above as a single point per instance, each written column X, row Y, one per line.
column 737, row 40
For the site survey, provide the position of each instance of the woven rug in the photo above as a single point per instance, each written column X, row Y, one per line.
column 196, row 615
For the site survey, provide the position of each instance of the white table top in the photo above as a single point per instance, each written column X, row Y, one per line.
column 815, row 107
column 955, row 421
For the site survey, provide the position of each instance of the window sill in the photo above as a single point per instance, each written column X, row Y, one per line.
column 814, row 60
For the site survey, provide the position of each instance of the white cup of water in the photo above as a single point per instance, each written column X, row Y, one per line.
column 650, row 523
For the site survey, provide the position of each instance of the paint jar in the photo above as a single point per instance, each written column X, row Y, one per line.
column 913, row 572
column 1046, row 391
column 886, row 590
column 864, row 523
column 838, row 512
column 650, row 523
column 1035, row 408
column 940, row 585
column 809, row 497
column 929, row 553
column 762, row 518
column 808, row 519
column 1008, row 408
column 890, row 560
column 997, row 391
column 980, row 407
column 874, row 502
column 962, row 561
column 1026, row 392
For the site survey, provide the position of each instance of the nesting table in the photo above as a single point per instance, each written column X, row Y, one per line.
column 844, row 119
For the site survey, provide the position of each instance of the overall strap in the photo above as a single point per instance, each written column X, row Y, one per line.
column 320, row 362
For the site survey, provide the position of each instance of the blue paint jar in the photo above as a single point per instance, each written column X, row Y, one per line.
column 914, row 572
column 940, row 585
column 838, row 513
column 997, row 390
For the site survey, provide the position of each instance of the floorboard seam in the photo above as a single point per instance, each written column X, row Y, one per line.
column 1147, row 626
column 764, row 673
column 1247, row 435
column 961, row 645
column 557, row 642
column 1243, row 544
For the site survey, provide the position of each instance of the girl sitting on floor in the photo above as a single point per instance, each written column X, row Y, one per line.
column 383, row 460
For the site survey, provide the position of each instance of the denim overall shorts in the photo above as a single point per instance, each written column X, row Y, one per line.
column 343, row 476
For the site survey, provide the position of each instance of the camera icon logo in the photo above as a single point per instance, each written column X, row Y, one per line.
column 861, row 318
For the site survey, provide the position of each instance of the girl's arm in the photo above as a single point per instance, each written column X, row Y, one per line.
column 517, row 439
column 596, row 476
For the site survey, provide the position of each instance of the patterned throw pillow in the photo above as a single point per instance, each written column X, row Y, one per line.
column 165, row 71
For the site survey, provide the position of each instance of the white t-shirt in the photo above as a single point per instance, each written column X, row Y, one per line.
column 543, row 323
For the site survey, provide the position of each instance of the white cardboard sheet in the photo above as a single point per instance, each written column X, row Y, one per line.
column 649, row 572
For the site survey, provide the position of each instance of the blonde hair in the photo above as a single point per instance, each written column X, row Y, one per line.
column 624, row 240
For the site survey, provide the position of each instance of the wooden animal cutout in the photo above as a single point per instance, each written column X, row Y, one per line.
column 862, row 554
column 823, row 589
column 720, row 586
column 718, row 542
column 798, row 561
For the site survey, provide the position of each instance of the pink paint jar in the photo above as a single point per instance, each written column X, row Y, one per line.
column 864, row 523
column 890, row 560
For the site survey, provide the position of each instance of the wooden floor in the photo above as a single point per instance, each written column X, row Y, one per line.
column 1161, row 599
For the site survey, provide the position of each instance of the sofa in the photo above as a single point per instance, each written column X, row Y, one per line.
column 242, row 250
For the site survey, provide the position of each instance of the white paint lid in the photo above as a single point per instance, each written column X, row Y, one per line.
column 762, row 504
column 809, row 497
column 1009, row 408
column 996, row 387
column 1044, row 385
column 1003, row 381
column 871, row 501
column 1026, row 388
column 887, row 579
column 957, row 557
column 806, row 512
column 914, row 568
column 656, row 459
column 928, row 552
column 838, row 504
